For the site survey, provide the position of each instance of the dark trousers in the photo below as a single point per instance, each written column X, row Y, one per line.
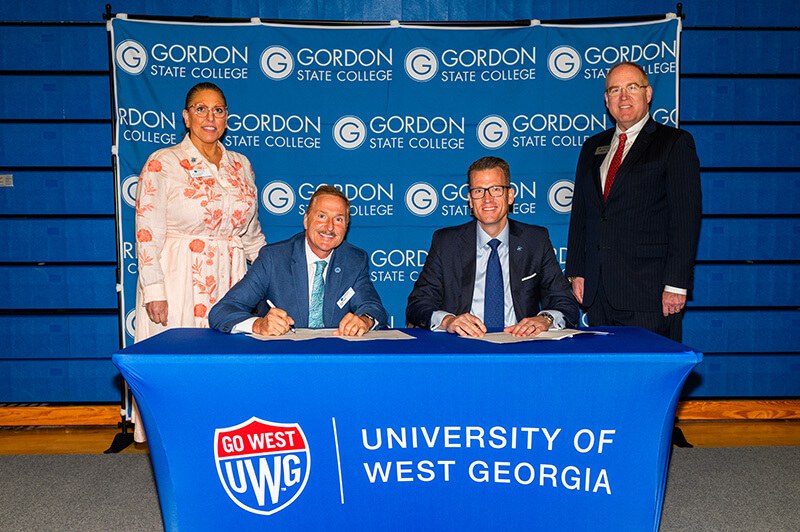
column 601, row 313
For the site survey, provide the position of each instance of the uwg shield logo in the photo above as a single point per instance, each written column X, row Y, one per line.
column 262, row 465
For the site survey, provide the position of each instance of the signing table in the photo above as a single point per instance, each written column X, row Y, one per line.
column 431, row 433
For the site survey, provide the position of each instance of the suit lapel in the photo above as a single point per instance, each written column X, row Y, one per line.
column 643, row 141
column 300, row 278
column 597, row 161
column 516, row 254
column 469, row 239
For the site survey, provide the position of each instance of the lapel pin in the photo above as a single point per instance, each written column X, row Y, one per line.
column 519, row 248
column 337, row 270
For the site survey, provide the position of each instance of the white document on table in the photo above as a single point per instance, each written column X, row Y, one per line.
column 506, row 338
column 311, row 334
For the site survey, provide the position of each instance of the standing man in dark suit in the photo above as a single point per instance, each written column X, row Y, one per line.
column 491, row 272
column 635, row 214
column 315, row 279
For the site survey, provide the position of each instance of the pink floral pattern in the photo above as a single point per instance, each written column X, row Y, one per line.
column 195, row 226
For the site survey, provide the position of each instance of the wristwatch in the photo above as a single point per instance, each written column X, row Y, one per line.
column 374, row 321
column 549, row 317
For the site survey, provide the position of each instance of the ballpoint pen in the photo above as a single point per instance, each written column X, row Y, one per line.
column 272, row 305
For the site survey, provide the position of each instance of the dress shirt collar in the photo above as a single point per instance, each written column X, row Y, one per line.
column 632, row 132
column 484, row 238
column 311, row 258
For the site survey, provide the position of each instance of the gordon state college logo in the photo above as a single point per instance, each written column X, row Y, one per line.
column 262, row 465
column 421, row 64
column 277, row 63
column 131, row 57
column 564, row 62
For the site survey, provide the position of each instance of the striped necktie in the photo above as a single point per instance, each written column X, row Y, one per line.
column 615, row 162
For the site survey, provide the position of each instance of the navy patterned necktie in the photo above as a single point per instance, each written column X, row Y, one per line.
column 494, row 298
column 317, row 296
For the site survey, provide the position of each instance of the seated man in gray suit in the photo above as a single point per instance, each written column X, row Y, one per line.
column 314, row 279
column 491, row 272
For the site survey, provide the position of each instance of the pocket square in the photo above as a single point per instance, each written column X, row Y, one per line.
column 531, row 276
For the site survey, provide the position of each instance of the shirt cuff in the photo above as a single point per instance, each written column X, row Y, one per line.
column 675, row 290
column 436, row 319
column 558, row 319
column 245, row 326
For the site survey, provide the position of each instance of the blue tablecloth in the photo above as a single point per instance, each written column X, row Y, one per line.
column 434, row 433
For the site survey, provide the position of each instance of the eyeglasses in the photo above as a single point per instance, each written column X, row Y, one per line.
column 202, row 111
column 632, row 89
column 495, row 191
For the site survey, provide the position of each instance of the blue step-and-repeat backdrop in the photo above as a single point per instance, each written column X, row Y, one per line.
column 393, row 115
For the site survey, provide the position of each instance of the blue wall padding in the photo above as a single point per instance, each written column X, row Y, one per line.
column 749, row 239
column 46, row 337
column 752, row 192
column 733, row 331
column 57, row 240
column 59, row 193
column 58, row 287
column 746, row 285
column 55, row 97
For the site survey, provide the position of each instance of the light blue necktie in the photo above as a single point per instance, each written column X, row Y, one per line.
column 317, row 297
column 494, row 297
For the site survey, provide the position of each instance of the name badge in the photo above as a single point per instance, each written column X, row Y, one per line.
column 346, row 297
column 200, row 172
column 602, row 150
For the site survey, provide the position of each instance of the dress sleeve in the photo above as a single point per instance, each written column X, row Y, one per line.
column 151, row 211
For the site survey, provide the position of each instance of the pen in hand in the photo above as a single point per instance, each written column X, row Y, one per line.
column 272, row 305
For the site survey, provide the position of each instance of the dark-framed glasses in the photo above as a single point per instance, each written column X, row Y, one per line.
column 632, row 89
column 202, row 111
column 495, row 191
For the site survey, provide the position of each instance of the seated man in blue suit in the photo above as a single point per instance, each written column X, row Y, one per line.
column 314, row 279
column 492, row 272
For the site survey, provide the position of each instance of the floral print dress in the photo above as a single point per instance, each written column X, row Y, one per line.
column 196, row 226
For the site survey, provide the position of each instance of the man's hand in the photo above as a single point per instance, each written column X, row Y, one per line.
column 157, row 312
column 275, row 323
column 672, row 303
column 577, row 288
column 464, row 325
column 529, row 326
column 352, row 325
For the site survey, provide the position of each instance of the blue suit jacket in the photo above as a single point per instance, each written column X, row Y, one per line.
column 280, row 274
column 644, row 236
column 448, row 277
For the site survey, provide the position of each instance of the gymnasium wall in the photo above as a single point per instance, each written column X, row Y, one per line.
column 740, row 98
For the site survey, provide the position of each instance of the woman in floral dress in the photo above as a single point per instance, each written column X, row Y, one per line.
column 196, row 221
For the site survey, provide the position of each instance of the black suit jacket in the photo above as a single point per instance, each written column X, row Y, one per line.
column 448, row 277
column 645, row 235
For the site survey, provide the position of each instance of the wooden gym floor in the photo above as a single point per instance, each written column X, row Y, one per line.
column 95, row 440
column 90, row 429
